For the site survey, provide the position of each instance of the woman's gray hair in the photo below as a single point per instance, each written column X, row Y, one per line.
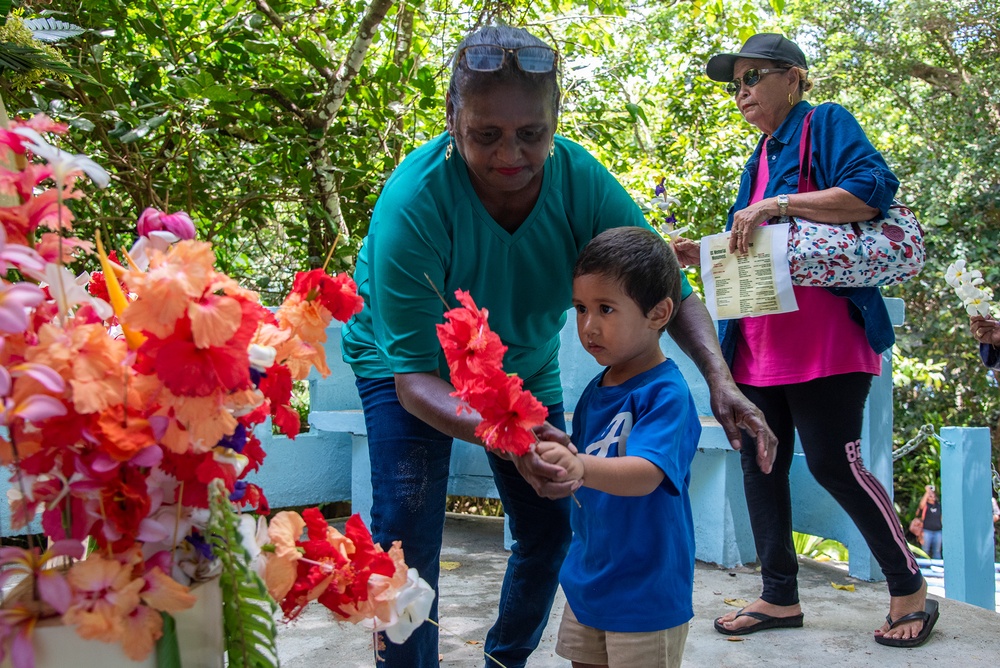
column 465, row 81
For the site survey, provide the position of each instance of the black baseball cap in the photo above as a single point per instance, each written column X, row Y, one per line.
column 766, row 46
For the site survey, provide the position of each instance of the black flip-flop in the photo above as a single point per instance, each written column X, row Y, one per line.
column 929, row 616
column 764, row 622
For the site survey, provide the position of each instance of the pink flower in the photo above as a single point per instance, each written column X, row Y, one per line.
column 179, row 224
column 15, row 300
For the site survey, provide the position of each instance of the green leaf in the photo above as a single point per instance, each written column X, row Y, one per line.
column 636, row 112
column 4, row 10
column 82, row 124
column 168, row 651
column 220, row 93
column 313, row 55
column 120, row 129
column 253, row 46
column 25, row 58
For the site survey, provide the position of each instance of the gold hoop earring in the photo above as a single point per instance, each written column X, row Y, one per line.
column 791, row 103
column 451, row 147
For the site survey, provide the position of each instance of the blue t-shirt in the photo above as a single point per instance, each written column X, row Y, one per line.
column 630, row 566
column 430, row 234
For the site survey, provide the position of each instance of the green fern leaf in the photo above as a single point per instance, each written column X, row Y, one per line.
column 51, row 30
column 248, row 611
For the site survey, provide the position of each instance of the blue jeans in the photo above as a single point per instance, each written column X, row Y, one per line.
column 410, row 462
column 932, row 544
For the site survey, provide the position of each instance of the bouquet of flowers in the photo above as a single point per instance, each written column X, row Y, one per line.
column 968, row 284
column 130, row 396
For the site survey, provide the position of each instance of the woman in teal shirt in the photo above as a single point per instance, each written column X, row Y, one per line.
column 499, row 206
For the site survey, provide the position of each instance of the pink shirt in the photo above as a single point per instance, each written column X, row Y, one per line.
column 818, row 340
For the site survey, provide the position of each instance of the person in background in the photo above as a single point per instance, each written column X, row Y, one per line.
column 987, row 332
column 629, row 574
column 810, row 371
column 929, row 511
column 499, row 206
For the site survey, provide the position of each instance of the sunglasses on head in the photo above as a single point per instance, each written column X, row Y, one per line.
column 491, row 57
column 751, row 78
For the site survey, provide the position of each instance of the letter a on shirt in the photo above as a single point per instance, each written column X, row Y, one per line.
column 616, row 435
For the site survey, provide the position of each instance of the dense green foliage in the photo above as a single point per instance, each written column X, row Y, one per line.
column 275, row 123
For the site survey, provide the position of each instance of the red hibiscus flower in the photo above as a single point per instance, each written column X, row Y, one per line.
column 471, row 348
column 338, row 294
column 508, row 422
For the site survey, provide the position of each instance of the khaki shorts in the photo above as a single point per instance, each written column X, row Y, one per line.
column 655, row 649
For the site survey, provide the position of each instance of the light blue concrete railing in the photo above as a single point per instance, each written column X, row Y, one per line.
column 967, row 516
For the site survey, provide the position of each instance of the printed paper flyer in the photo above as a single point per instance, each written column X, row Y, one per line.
column 758, row 283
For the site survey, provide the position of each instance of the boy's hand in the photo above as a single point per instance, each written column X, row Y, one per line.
column 561, row 455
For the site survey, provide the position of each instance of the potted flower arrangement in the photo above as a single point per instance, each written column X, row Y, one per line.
column 130, row 396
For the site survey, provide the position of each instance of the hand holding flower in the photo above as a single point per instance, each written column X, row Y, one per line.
column 548, row 480
column 563, row 456
column 985, row 330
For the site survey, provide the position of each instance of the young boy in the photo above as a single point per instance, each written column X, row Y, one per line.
column 629, row 574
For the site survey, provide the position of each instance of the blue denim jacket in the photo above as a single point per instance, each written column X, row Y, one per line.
column 990, row 355
column 842, row 156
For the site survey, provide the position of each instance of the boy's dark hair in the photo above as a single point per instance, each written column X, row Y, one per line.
column 640, row 260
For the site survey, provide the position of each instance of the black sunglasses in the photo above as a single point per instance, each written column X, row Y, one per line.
column 751, row 78
column 491, row 57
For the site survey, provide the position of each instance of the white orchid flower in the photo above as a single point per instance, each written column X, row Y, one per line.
column 968, row 292
column 664, row 202
column 253, row 534
column 261, row 357
column 955, row 274
column 63, row 163
column 68, row 290
column 978, row 306
column 673, row 234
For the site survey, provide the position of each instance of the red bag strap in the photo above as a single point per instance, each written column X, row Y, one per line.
column 806, row 181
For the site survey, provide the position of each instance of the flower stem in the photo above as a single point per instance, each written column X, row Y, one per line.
column 437, row 292
column 330, row 254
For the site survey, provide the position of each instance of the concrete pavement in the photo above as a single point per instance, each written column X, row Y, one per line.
column 837, row 631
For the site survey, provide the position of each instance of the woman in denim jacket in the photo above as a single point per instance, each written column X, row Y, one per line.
column 810, row 370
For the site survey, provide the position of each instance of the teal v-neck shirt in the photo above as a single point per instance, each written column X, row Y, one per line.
column 430, row 233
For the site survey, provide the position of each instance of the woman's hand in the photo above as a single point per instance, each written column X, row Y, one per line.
column 747, row 220
column 688, row 252
column 735, row 412
column 548, row 480
column 985, row 330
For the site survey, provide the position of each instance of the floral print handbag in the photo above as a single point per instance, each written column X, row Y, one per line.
column 870, row 253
